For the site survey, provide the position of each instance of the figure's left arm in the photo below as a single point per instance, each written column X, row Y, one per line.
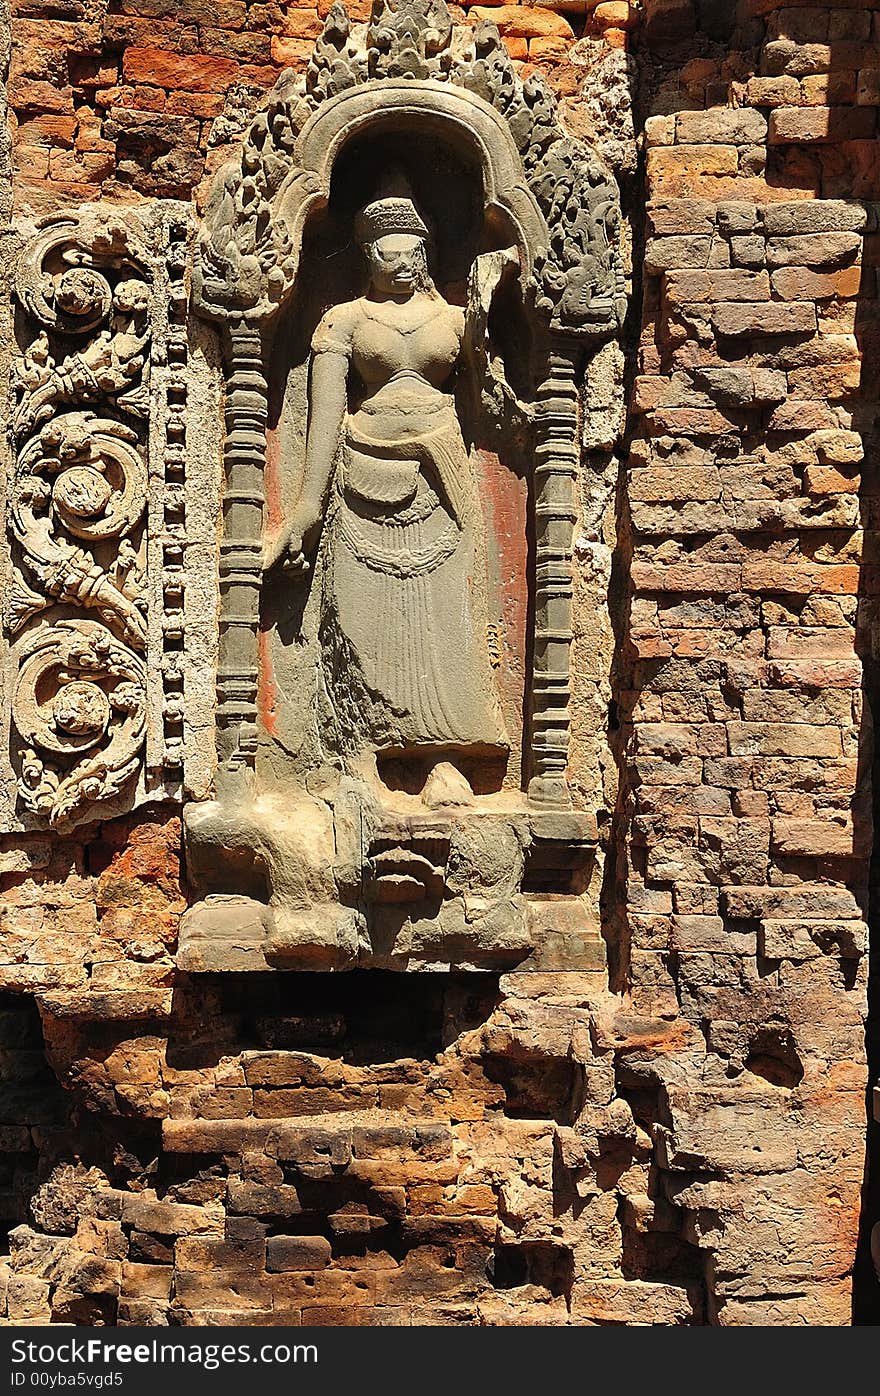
column 495, row 394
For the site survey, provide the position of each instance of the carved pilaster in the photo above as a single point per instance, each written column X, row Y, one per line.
column 102, row 716
column 76, row 609
column 241, row 555
column 556, row 457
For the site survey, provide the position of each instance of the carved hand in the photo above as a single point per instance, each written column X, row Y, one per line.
column 291, row 545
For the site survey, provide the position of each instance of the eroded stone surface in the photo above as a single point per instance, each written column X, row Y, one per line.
column 678, row 1138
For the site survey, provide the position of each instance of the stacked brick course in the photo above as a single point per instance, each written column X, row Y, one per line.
column 752, row 556
column 686, row 1145
column 137, row 99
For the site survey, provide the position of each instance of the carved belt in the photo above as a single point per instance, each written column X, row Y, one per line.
column 396, row 562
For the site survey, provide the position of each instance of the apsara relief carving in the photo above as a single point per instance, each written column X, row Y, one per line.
column 411, row 266
column 388, row 479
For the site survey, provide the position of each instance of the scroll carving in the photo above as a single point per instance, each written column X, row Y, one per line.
column 81, row 512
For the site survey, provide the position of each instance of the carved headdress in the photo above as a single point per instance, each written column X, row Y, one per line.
column 394, row 211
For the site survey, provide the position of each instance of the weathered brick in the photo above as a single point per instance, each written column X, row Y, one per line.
column 147, row 1281
column 297, row 1253
column 678, row 167
column 723, row 126
column 822, row 124
column 783, row 739
column 768, row 317
column 169, row 1218
column 682, row 217
column 799, row 284
column 679, row 484
column 810, row 939
column 228, row 1290
column 812, row 249
column 385, row 1154
column 817, row 838
column 723, row 284
column 663, row 253
column 830, row 380
column 672, row 739
column 203, row 1253
column 189, row 72
column 772, row 91
column 840, row 579
column 525, row 21
column 814, row 216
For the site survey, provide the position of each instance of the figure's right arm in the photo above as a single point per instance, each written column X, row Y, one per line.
column 327, row 408
column 331, row 348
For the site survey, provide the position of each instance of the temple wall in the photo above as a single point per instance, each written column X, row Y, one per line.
column 677, row 1136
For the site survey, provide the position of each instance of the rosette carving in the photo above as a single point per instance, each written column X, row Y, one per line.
column 80, row 478
column 63, row 282
column 79, row 706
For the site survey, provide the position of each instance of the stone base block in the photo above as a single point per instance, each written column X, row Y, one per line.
column 289, row 881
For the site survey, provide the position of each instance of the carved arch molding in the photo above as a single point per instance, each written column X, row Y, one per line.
column 101, row 522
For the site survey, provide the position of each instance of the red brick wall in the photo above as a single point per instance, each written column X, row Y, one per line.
column 689, row 1147
column 123, row 107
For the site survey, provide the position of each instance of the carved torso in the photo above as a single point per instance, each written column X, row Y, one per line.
column 422, row 335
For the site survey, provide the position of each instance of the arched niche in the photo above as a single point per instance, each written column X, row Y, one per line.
column 456, row 187
column 310, row 875
column 457, row 119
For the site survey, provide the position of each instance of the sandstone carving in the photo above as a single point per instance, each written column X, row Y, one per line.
column 403, row 531
column 371, row 735
column 517, row 629
column 78, row 497
column 96, row 515
column 79, row 702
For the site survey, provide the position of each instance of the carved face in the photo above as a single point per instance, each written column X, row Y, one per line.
column 397, row 263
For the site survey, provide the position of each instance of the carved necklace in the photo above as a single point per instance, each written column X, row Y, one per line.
column 402, row 311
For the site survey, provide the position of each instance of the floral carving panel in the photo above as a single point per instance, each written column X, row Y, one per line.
column 96, row 518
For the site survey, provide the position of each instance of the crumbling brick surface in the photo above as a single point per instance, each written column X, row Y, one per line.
column 135, row 99
column 686, row 1144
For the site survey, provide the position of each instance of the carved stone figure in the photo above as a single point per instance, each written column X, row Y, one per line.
column 388, row 474
column 395, row 572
